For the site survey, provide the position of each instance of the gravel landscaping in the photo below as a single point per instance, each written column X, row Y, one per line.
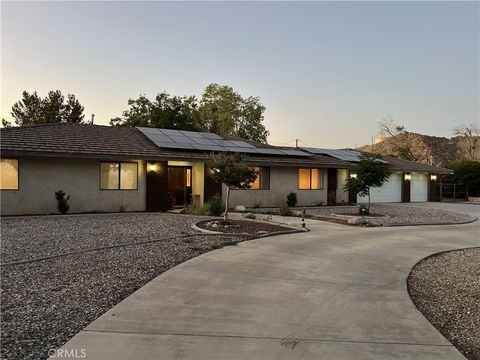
column 45, row 303
column 397, row 215
column 446, row 289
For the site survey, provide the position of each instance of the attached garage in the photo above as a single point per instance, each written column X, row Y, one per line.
column 419, row 187
column 391, row 191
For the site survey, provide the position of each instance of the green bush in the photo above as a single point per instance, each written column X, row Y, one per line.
column 215, row 206
column 292, row 199
column 466, row 172
column 285, row 211
column 62, row 201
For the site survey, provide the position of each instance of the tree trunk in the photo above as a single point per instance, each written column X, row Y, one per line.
column 369, row 201
column 225, row 214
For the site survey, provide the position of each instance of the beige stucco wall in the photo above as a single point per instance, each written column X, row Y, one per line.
column 342, row 195
column 40, row 177
column 283, row 180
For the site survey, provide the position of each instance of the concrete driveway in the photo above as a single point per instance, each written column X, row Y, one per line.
column 336, row 292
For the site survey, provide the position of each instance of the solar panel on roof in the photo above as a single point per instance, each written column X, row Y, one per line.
column 172, row 145
column 269, row 151
column 294, row 152
column 212, row 136
column 191, row 134
column 240, row 143
column 208, row 147
column 203, row 141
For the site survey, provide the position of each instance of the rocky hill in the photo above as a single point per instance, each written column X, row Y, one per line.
column 426, row 149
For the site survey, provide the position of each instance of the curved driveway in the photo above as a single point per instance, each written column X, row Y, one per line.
column 336, row 292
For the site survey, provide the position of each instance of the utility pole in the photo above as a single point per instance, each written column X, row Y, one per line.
column 296, row 143
column 93, row 115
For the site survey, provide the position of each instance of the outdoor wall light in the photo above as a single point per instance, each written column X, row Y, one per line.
column 152, row 167
column 433, row 177
column 408, row 176
column 353, row 176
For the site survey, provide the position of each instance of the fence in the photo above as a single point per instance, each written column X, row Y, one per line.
column 452, row 192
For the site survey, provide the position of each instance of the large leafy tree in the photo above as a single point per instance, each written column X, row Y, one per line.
column 231, row 170
column 225, row 112
column 221, row 110
column 369, row 172
column 165, row 111
column 32, row 109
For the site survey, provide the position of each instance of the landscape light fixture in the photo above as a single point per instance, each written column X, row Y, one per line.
column 433, row 177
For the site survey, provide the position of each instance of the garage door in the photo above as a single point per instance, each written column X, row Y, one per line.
column 391, row 191
column 419, row 187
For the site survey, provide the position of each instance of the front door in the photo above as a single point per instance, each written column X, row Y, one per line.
column 332, row 187
column 180, row 184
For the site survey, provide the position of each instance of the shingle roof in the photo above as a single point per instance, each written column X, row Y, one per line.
column 76, row 139
column 405, row 165
column 85, row 140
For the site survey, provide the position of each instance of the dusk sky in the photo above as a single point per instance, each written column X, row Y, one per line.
column 327, row 72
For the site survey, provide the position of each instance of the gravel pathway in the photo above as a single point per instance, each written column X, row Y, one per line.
column 399, row 215
column 446, row 289
column 45, row 303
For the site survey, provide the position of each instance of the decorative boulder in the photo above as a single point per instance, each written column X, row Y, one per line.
column 357, row 220
column 249, row 216
column 240, row 208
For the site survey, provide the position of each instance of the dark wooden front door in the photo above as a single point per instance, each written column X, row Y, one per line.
column 180, row 184
column 332, row 187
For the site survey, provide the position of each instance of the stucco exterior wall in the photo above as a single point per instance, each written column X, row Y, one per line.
column 283, row 180
column 40, row 177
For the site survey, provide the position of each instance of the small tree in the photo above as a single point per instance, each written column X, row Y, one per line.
column 62, row 201
column 230, row 170
column 370, row 172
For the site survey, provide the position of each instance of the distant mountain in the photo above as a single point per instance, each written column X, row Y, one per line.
column 425, row 149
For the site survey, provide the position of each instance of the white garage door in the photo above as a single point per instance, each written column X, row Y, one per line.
column 419, row 187
column 391, row 191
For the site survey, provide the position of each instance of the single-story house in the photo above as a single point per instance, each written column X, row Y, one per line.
column 409, row 181
column 111, row 169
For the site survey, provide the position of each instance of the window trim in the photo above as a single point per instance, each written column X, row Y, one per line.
column 119, row 174
column 18, row 173
column 310, row 172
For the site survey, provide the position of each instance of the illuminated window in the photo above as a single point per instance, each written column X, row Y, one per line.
column 262, row 182
column 128, row 176
column 310, row 179
column 188, row 181
column 118, row 176
column 9, row 174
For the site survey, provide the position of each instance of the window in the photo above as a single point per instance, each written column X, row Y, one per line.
column 310, row 179
column 118, row 176
column 262, row 182
column 9, row 174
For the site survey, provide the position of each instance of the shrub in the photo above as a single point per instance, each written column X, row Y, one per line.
column 195, row 210
column 257, row 204
column 285, row 211
column 292, row 199
column 363, row 209
column 466, row 172
column 319, row 203
column 215, row 206
column 62, row 201
column 171, row 201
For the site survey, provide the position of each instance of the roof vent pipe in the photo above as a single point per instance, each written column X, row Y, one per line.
column 93, row 116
